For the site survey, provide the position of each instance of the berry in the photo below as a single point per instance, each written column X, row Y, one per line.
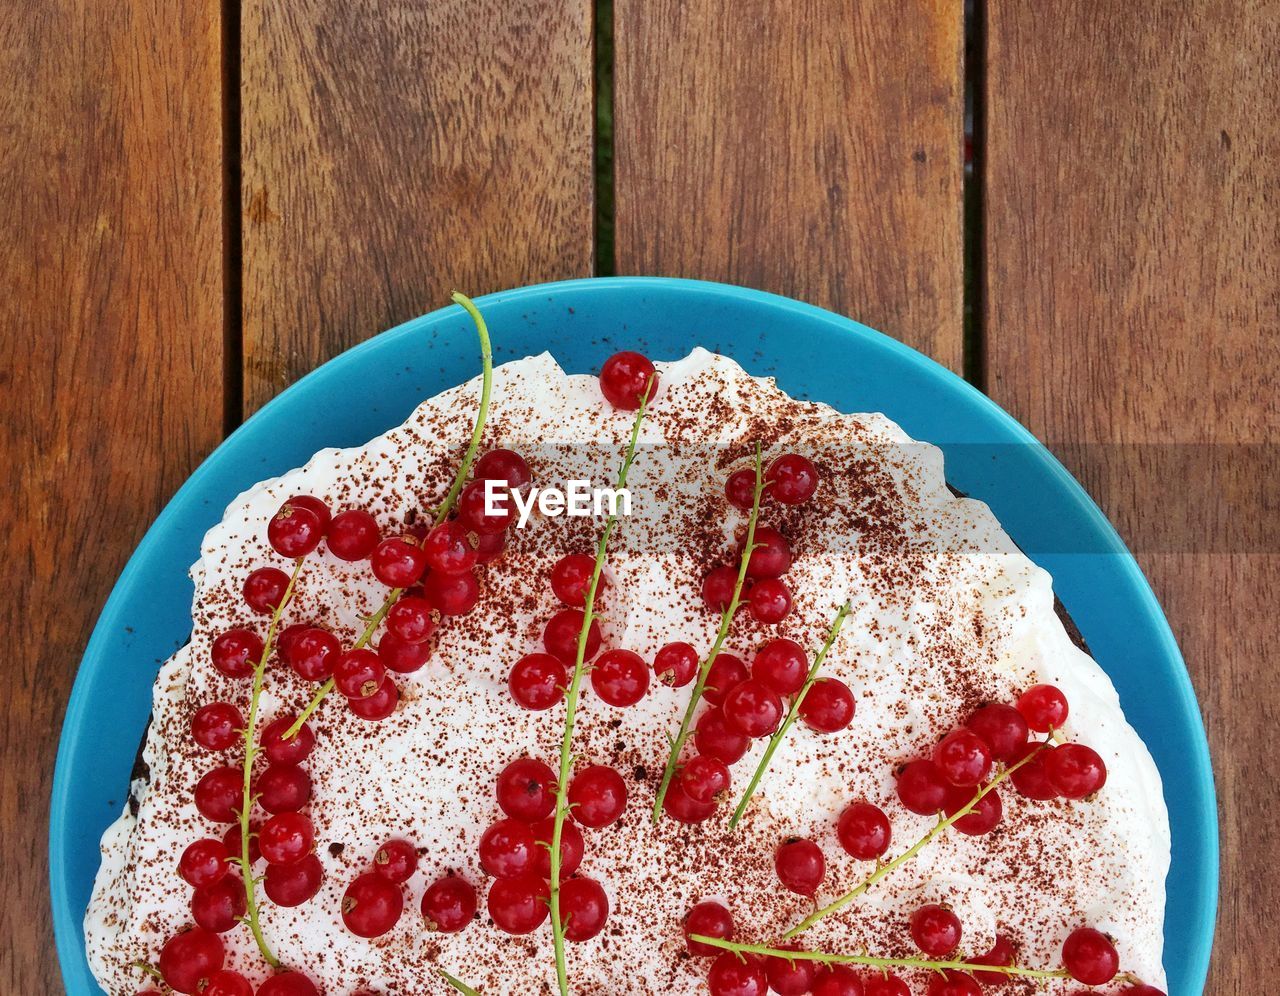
column 828, row 706
column 357, row 674
column 204, row 863
column 227, row 983
column 231, row 841
column 885, row 985
column 792, row 479
column 379, row 705
column 935, row 929
column 676, row 664
column 560, row 637
column 312, row 653
column 473, row 511
column 1076, row 771
column 507, row 849
column 1044, row 708
column 770, row 601
column 772, row 554
column 411, row 620
column 837, row 981
column 217, row 726
column 288, row 984
column 705, row 779
column 782, row 665
column 452, row 594
column 313, row 504
column 800, row 865
column 283, row 788
column 753, row 709
column 677, row 804
column 740, row 489
column 519, row 905
column 952, row 983
column 220, row 794
column 597, row 796
column 1001, row 728
column 1001, row 953
column 922, row 789
column 583, row 908
column 1090, row 957
column 292, row 885
column 277, row 749
column 288, row 637
column 1032, row 779
column 707, row 919
column 237, row 652
column 735, row 975
column 352, row 535
column 401, row 657
column 295, row 530
column 718, row 587
column 396, row 861
column 572, row 848
column 449, row 904
column 864, row 831
column 264, row 589
column 620, row 677
column 220, row 906
column 189, row 958
column 489, row 546
column 371, row 905
column 963, row 758
column 450, row 548
column 398, row 562
column 713, row 737
column 538, row 681
column 571, row 579
column 502, row 465
column 727, row 673
column 527, row 790
column 624, row 377
column 286, row 838
column 983, row 818
column 790, row 977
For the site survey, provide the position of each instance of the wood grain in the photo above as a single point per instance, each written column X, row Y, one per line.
column 808, row 147
column 1133, row 309
column 396, row 150
column 111, row 375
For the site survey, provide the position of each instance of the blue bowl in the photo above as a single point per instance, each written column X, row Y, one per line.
column 813, row 354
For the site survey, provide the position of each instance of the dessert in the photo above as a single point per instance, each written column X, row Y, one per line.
column 886, row 745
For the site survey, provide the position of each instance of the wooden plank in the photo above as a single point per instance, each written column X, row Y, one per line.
column 111, row 209
column 394, row 151
column 808, row 147
column 1132, row 281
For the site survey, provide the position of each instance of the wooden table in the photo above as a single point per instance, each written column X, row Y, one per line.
column 201, row 201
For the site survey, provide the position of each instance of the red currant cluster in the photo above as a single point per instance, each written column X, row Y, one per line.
column 191, row 962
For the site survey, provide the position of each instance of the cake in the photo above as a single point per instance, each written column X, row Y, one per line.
column 943, row 616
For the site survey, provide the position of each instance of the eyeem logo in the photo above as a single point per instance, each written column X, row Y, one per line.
column 578, row 499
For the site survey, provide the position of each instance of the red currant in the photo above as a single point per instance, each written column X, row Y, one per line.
column 452, row 594
column 264, row 589
column 401, row 657
column 519, row 905
column 1044, row 708
column 1075, row 770
column 771, row 556
column 220, row 794
column 508, row 850
column 357, row 674
column 227, row 983
column 707, row 919
column 740, row 489
column 277, row 749
column 1001, row 727
column 584, row 908
column 982, row 819
column 837, row 981
column 597, row 796
column 527, row 790
column 371, row 905
column 396, row 861
column 204, row 863
column 295, row 530
column 286, row 838
column 963, row 758
column 538, row 681
column 727, row 672
column 790, row 977
column 237, row 652
column 1090, row 957
column 737, row 975
column 292, row 885
column 502, row 465
column 770, row 601
column 449, row 904
column 379, row 705
column 571, row 579
column 753, row 709
column 560, row 637
column 288, row 638
column 217, row 726
column 352, row 535
column 572, row 848
column 885, row 985
column 283, row 788
column 220, row 906
column 398, row 562
column 864, row 831
column 828, row 706
column 411, row 620
column 288, row 984
column 713, row 737
column 1001, row 953
column 312, row 653
column 935, row 929
column 705, row 779
column 718, row 587
column 473, row 508
column 800, row 865
column 450, row 548
column 922, row 789
column 624, row 378
column 489, row 546
column 189, row 958
column 782, row 665
column 676, row 664
column 620, row 677
column 792, row 479
column 231, row 840
column 681, row 808
column 1032, row 779
column 313, row 504
column 952, row 983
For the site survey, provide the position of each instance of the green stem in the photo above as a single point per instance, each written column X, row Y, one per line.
column 457, row 984
column 884, row 870
column 792, row 714
column 726, row 622
column 880, row 963
column 250, row 753
column 571, row 701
